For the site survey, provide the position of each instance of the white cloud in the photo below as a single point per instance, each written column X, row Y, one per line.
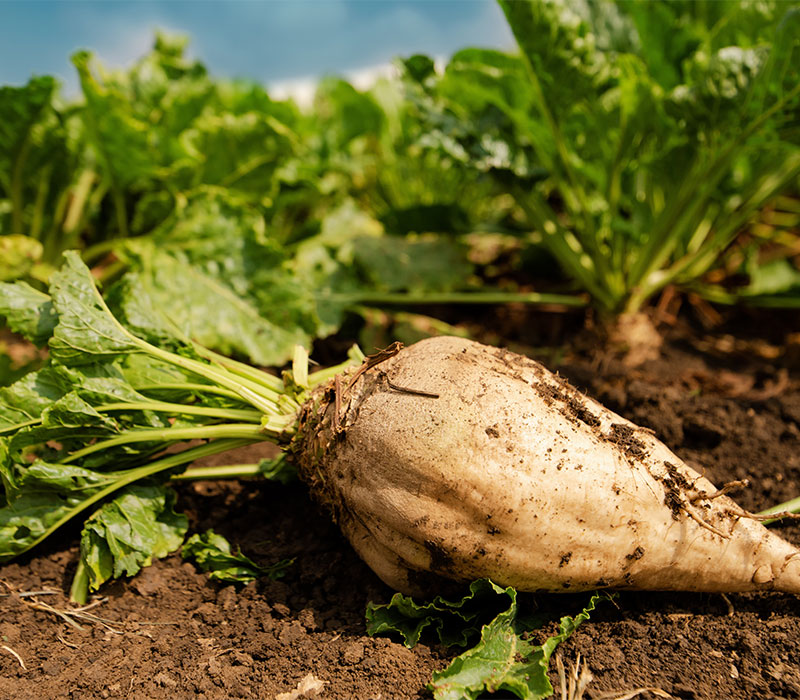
column 302, row 89
column 126, row 45
column 365, row 78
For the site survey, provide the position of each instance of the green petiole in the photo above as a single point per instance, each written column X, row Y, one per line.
column 241, row 369
column 234, row 414
column 792, row 506
column 191, row 387
column 228, row 471
column 261, row 397
column 240, row 431
column 408, row 299
column 143, row 472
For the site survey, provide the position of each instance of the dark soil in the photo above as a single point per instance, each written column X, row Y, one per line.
column 727, row 402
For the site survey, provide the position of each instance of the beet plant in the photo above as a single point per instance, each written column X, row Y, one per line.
column 446, row 460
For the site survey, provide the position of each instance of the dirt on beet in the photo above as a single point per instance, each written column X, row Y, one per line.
column 727, row 402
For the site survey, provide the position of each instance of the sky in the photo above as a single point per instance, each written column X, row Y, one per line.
column 270, row 41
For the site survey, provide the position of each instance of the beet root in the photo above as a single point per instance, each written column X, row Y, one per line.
column 459, row 461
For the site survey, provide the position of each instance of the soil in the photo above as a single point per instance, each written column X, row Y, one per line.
column 727, row 401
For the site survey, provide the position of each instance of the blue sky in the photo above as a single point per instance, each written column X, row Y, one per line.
column 266, row 40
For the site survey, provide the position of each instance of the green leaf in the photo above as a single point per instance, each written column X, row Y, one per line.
column 127, row 533
column 101, row 383
column 20, row 109
column 344, row 114
column 64, row 479
column 118, row 136
column 155, row 377
column 28, row 397
column 212, row 553
column 429, row 264
column 205, row 308
column 38, row 158
column 86, row 330
column 220, row 280
column 239, row 152
column 501, row 660
column 775, row 277
column 454, row 622
column 419, row 67
column 168, row 91
column 38, row 497
column 325, row 261
column 71, row 411
column 28, row 311
column 496, row 122
column 278, row 469
column 562, row 50
column 32, row 172
column 504, row 661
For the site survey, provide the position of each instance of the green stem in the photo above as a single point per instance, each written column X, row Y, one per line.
column 233, row 414
column 16, row 186
column 79, row 590
column 693, row 196
column 228, row 471
column 300, row 366
column 244, row 431
column 190, row 387
column 111, row 272
column 119, row 208
column 42, row 190
column 356, row 357
column 241, row 369
column 246, row 169
column 718, row 295
column 792, row 506
column 696, row 263
column 98, row 250
column 258, row 395
column 18, row 426
column 77, row 206
column 458, row 298
column 565, row 247
column 581, row 207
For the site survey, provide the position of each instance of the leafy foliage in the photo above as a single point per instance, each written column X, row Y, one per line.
column 90, row 427
column 221, row 218
column 127, row 533
column 632, row 155
column 207, row 190
column 27, row 311
column 503, row 660
column 636, row 162
column 213, row 554
column 454, row 623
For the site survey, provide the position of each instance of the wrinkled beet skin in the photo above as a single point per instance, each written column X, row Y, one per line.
column 463, row 461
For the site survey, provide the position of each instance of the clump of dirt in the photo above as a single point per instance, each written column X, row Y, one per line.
column 171, row 634
column 624, row 437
